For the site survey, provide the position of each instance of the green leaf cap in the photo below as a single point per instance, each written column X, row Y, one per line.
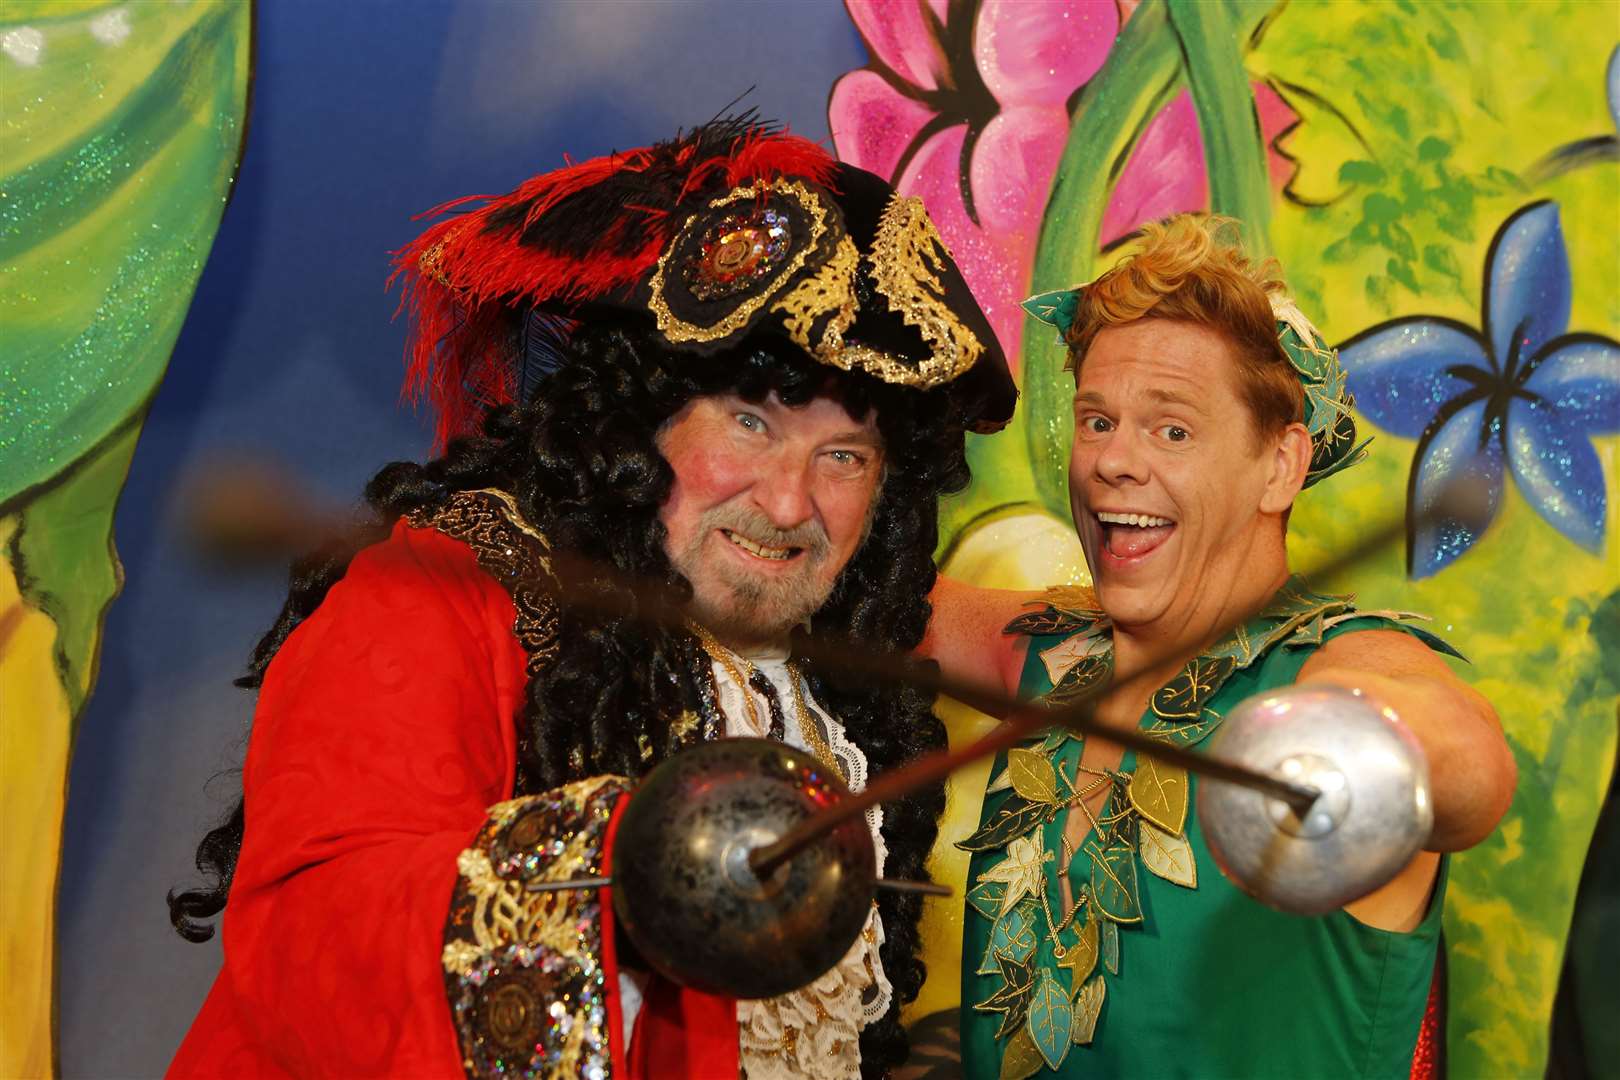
column 1328, row 400
column 1055, row 308
column 1327, row 396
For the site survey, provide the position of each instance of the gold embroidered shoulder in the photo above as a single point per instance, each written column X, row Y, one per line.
column 510, row 550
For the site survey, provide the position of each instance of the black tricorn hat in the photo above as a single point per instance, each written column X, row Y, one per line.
column 729, row 231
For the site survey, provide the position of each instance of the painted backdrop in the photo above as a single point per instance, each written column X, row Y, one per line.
column 1443, row 196
column 1445, row 204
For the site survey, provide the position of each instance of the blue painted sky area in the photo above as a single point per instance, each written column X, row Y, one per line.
column 363, row 115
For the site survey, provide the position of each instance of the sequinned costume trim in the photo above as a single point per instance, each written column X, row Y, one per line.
column 523, row 969
column 770, row 277
column 511, row 551
column 907, row 259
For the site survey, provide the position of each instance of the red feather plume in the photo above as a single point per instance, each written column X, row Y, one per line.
column 585, row 232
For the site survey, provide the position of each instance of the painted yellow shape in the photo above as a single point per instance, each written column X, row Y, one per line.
column 34, row 726
column 1020, row 551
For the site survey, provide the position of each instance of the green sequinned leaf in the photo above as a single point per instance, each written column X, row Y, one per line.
column 1020, row 1060
column 985, row 898
column 1016, row 817
column 1032, row 775
column 1051, row 1019
column 1088, row 1005
column 1012, row 998
column 1113, row 881
column 1183, row 697
column 1168, row 855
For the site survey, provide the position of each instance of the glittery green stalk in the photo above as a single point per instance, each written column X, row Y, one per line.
column 1162, row 44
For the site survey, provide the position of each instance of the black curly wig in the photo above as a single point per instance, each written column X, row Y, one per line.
column 582, row 463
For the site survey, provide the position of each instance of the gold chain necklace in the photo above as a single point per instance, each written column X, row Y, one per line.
column 808, row 726
column 723, row 656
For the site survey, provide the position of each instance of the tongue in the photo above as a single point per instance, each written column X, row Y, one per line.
column 1129, row 541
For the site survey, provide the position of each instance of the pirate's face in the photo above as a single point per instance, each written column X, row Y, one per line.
column 770, row 503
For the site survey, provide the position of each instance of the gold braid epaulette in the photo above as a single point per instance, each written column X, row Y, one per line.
column 511, row 551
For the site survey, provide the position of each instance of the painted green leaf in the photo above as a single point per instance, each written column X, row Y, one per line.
column 114, row 176
column 64, row 556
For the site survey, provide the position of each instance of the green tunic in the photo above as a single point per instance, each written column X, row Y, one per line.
column 1166, row 968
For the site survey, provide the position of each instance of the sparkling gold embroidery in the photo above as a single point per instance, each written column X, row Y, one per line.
column 523, row 969
column 460, row 956
column 885, row 366
column 514, row 553
column 738, row 667
column 829, row 289
column 907, row 258
column 684, row 725
column 677, row 329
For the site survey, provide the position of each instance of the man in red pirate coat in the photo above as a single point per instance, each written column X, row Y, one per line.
column 727, row 368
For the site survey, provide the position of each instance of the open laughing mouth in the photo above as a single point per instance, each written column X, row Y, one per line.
column 1132, row 536
column 758, row 550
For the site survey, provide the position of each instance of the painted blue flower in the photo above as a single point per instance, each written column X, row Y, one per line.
column 1524, row 392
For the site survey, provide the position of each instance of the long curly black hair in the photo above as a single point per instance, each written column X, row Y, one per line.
column 582, row 463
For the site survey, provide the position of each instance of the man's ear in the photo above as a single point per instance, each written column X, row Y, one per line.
column 1290, row 461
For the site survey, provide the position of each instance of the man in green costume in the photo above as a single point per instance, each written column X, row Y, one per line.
column 1099, row 938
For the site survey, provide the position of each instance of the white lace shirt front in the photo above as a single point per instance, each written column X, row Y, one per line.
column 814, row 1032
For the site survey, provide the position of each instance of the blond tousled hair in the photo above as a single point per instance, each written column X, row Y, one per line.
column 1193, row 268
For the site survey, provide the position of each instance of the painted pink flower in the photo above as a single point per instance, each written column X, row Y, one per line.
column 967, row 106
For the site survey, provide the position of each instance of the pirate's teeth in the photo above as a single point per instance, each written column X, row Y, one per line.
column 757, row 549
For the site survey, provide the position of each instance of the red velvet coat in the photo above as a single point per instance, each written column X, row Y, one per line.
column 383, row 735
